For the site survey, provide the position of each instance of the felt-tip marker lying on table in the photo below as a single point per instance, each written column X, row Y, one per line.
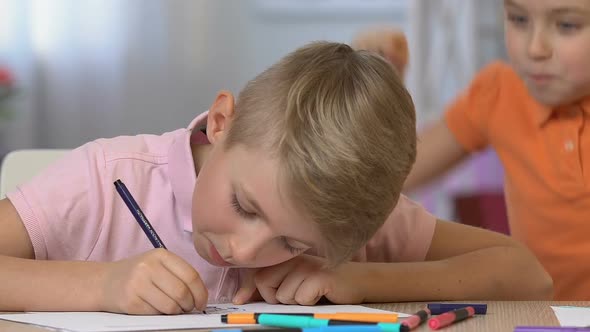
column 441, row 308
column 252, row 317
column 417, row 319
column 339, row 328
column 450, row 317
column 275, row 320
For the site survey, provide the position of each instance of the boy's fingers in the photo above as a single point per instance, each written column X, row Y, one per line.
column 189, row 276
column 160, row 301
column 311, row 291
column 400, row 46
column 269, row 279
column 390, row 43
column 247, row 287
column 243, row 295
column 174, row 288
column 141, row 307
column 401, row 55
column 289, row 286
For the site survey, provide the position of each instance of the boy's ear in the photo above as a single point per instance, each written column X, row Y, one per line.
column 221, row 113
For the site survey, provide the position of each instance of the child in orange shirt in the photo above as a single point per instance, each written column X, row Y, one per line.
column 533, row 112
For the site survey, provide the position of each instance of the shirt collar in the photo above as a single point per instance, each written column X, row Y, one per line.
column 181, row 170
column 542, row 113
column 586, row 105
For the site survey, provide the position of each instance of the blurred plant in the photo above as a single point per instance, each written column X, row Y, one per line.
column 7, row 90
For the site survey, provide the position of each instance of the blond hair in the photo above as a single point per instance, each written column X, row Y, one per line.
column 343, row 128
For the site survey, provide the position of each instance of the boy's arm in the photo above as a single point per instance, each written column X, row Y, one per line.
column 437, row 152
column 14, row 239
column 152, row 283
column 463, row 262
column 26, row 284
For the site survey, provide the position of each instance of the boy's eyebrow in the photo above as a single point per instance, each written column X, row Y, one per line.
column 562, row 10
column 512, row 4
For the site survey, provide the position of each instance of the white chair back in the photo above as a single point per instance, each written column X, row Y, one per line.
column 21, row 165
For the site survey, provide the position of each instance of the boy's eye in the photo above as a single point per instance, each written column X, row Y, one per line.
column 567, row 26
column 292, row 250
column 518, row 20
column 239, row 209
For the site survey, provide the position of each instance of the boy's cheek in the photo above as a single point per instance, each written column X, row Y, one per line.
column 199, row 244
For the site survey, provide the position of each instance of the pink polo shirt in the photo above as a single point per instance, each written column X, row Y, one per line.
column 72, row 211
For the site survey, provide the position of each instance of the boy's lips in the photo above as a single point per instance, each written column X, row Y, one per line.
column 540, row 78
column 216, row 257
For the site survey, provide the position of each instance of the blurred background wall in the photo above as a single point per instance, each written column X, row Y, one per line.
column 101, row 68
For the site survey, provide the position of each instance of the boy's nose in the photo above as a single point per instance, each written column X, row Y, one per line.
column 246, row 246
column 539, row 46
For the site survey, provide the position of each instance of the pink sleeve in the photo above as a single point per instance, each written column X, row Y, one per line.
column 61, row 207
column 404, row 237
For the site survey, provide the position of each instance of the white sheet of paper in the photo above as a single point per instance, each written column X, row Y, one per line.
column 572, row 316
column 103, row 322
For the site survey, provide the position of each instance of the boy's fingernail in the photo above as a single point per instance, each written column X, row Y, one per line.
column 239, row 298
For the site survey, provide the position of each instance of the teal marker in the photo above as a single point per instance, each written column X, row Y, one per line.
column 307, row 322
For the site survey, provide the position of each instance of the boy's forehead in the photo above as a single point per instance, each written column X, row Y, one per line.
column 551, row 5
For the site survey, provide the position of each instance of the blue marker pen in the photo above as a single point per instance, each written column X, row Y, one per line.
column 138, row 215
column 441, row 308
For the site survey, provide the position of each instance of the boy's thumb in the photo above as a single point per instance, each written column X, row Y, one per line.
column 247, row 287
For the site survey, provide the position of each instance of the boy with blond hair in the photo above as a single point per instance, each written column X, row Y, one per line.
column 311, row 157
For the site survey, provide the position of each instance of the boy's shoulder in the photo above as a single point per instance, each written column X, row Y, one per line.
column 494, row 85
column 146, row 147
column 405, row 236
column 501, row 75
column 150, row 147
column 498, row 73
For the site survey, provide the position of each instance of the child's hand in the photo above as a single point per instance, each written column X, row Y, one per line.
column 157, row 282
column 302, row 280
column 388, row 42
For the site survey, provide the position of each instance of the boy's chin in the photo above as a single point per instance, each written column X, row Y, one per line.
column 549, row 103
column 552, row 99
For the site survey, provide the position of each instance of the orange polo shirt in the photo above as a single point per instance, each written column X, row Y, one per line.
column 546, row 156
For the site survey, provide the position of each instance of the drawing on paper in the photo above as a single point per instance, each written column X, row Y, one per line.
column 213, row 310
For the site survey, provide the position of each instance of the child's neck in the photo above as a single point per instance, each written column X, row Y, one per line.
column 200, row 153
column 567, row 104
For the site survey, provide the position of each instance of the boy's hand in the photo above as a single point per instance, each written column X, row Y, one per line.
column 388, row 42
column 157, row 282
column 302, row 280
